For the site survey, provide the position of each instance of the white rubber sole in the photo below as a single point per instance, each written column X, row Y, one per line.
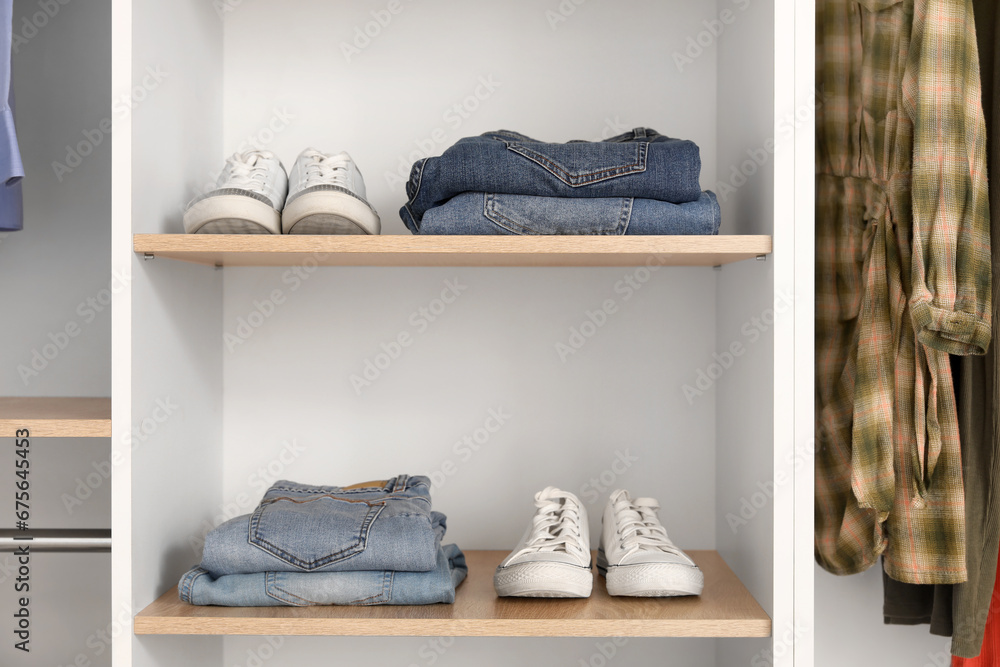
column 231, row 214
column 654, row 580
column 329, row 212
column 543, row 580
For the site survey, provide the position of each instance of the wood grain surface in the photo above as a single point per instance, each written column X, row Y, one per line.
column 56, row 417
column 725, row 609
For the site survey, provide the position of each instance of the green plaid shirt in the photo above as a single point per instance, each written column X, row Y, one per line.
column 902, row 280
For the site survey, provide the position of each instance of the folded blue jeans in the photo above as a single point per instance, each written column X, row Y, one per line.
column 296, row 589
column 489, row 214
column 385, row 525
column 642, row 164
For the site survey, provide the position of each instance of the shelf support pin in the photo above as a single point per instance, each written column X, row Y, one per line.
column 218, row 266
column 717, row 267
column 148, row 256
column 761, row 258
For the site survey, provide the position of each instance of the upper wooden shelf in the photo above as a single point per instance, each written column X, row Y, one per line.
column 404, row 250
column 725, row 609
column 56, row 417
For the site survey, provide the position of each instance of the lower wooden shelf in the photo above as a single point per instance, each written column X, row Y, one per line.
column 725, row 609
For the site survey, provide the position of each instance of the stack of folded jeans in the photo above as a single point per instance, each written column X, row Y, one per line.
column 506, row 183
column 376, row 543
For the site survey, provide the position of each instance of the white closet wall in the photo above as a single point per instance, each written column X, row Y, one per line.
column 59, row 261
column 852, row 607
column 176, row 470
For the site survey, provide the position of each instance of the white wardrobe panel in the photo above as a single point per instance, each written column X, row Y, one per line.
column 747, row 137
column 321, row 392
column 439, row 71
column 176, row 326
column 852, row 607
column 463, row 651
column 750, row 314
column 739, row 377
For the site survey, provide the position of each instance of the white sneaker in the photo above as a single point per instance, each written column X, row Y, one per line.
column 327, row 196
column 636, row 556
column 247, row 199
column 553, row 558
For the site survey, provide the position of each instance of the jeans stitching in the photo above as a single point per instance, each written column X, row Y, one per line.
column 189, row 582
column 491, row 212
column 626, row 215
column 585, row 178
column 358, row 547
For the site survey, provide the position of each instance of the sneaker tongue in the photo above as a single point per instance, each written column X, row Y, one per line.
column 251, row 157
column 620, row 495
column 551, row 494
column 631, row 516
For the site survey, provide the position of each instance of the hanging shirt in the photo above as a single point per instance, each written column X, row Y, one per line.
column 11, row 169
column 903, row 279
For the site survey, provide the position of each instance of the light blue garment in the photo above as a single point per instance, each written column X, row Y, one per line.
column 11, row 169
column 300, row 528
column 489, row 214
column 641, row 163
column 295, row 589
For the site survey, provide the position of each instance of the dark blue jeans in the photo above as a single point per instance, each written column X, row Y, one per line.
column 641, row 164
column 478, row 213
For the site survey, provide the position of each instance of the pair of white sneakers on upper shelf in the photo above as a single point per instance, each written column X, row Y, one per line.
column 635, row 556
column 323, row 194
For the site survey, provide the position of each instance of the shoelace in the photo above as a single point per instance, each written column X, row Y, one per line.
column 556, row 525
column 327, row 169
column 639, row 527
column 248, row 170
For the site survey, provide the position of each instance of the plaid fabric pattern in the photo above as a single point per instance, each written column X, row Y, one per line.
column 902, row 279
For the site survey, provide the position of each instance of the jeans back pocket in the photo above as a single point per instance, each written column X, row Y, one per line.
column 529, row 216
column 360, row 589
column 312, row 533
column 581, row 163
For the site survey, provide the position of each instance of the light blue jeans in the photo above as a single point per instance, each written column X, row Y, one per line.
column 490, row 214
column 642, row 164
column 385, row 525
column 294, row 589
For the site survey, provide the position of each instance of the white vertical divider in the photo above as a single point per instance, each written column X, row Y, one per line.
column 121, row 339
column 805, row 279
column 784, row 636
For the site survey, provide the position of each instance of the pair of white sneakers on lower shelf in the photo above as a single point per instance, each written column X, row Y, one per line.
column 323, row 194
column 635, row 556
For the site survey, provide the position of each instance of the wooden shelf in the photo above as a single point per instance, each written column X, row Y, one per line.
column 56, row 417
column 725, row 609
column 403, row 250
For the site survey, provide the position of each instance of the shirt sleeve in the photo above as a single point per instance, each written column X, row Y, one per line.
column 951, row 266
column 11, row 169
